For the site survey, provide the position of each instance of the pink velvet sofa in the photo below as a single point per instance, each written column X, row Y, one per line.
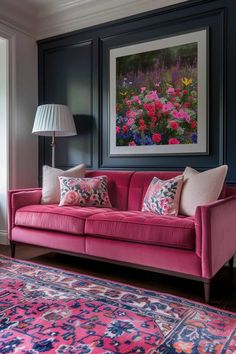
column 191, row 247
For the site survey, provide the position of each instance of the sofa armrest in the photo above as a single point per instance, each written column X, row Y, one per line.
column 216, row 234
column 18, row 198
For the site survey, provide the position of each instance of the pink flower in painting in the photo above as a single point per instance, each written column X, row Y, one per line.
column 151, row 113
column 130, row 121
column 175, row 113
column 170, row 90
column 173, row 141
column 132, row 143
column 178, row 115
column 152, row 96
column 141, row 122
column 167, row 107
column 150, row 107
column 174, row 125
column 125, row 128
column 139, row 113
column 176, row 105
column 136, row 99
column 143, row 89
column 193, row 124
column 186, row 104
column 143, row 127
column 158, row 104
column 154, row 119
column 130, row 114
column 71, row 198
column 117, row 130
column 128, row 102
column 156, row 138
column 187, row 117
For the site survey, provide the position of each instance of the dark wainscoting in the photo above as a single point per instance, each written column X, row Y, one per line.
column 74, row 70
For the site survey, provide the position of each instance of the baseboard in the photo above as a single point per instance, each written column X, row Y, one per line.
column 3, row 237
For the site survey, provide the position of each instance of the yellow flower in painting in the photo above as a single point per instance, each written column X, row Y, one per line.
column 186, row 81
column 123, row 93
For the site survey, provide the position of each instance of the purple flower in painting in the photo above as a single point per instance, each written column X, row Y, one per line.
column 148, row 140
column 194, row 138
column 137, row 138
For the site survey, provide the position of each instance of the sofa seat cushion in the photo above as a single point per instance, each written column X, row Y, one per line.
column 52, row 217
column 148, row 228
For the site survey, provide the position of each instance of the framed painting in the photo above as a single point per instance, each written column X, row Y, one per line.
column 158, row 97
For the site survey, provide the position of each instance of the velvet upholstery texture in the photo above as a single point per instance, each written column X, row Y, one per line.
column 51, row 239
column 138, row 226
column 156, row 257
column 196, row 246
column 70, row 219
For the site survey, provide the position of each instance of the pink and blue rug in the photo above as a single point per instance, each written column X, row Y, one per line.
column 47, row 310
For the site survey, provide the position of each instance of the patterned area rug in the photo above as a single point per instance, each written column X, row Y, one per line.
column 47, row 310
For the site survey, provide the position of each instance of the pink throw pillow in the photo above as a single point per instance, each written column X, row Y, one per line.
column 162, row 197
column 84, row 191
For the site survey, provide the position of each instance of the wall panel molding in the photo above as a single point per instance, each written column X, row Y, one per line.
column 215, row 15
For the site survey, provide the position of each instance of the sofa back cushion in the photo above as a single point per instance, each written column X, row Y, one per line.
column 139, row 184
column 229, row 191
column 118, row 186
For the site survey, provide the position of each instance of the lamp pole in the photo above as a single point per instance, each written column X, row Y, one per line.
column 53, row 148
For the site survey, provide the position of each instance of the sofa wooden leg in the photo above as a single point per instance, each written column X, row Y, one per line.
column 231, row 262
column 13, row 250
column 207, row 286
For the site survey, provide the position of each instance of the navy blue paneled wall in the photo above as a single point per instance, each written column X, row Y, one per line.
column 74, row 70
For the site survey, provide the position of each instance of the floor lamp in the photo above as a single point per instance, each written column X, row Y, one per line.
column 54, row 120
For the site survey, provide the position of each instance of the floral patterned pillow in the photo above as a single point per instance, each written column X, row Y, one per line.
column 84, row 191
column 162, row 197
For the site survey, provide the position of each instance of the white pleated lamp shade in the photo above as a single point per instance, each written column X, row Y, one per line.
column 54, row 119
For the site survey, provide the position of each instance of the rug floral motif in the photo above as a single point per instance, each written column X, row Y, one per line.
column 47, row 310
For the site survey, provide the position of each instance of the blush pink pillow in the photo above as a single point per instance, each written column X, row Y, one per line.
column 201, row 188
column 162, row 197
column 51, row 185
column 84, row 191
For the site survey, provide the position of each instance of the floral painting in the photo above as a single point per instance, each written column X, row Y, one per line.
column 158, row 96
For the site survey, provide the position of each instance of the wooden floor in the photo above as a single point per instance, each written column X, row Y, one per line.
column 223, row 292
